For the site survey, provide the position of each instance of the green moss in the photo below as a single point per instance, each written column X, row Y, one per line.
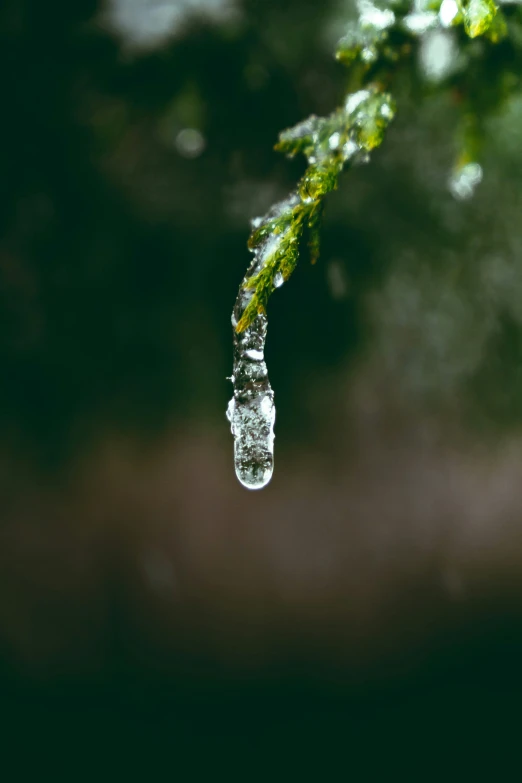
column 372, row 117
column 318, row 181
column 252, row 310
column 314, row 235
column 261, row 233
column 479, row 16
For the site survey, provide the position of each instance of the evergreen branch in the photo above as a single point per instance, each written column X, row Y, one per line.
column 384, row 39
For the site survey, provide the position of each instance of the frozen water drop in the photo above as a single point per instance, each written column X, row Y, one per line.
column 369, row 54
column 255, row 356
column 464, row 181
column 386, row 111
column 256, row 222
column 350, row 149
column 252, row 423
column 420, row 22
column 448, row 11
column 254, row 477
column 354, row 100
column 333, row 141
column 269, row 248
column 267, row 405
column 251, row 411
column 278, row 280
column 370, row 16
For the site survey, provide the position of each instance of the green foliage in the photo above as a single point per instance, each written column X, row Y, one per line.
column 479, row 16
column 385, row 38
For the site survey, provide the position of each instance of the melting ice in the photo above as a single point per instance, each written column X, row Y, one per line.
column 278, row 280
column 251, row 411
column 464, row 181
column 252, row 423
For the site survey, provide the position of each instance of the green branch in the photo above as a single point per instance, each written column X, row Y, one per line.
column 376, row 48
column 382, row 40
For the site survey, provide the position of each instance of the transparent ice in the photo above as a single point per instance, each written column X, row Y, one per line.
column 369, row 54
column 355, row 99
column 420, row 22
column 370, row 16
column 350, row 149
column 448, row 11
column 278, row 280
column 251, row 411
column 333, row 141
column 464, row 181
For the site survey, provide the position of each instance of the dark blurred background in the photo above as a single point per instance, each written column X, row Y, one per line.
column 371, row 596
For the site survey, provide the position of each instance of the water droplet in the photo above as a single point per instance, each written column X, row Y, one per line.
column 252, row 420
column 355, row 99
column 350, row 149
column 369, row 54
column 282, row 207
column 251, row 410
column 256, row 356
column 448, row 11
column 372, row 17
column 256, row 222
column 278, row 280
column 464, row 181
column 333, row 141
column 420, row 22
column 386, row 111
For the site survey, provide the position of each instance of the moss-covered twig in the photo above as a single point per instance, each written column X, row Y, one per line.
column 382, row 38
column 385, row 39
